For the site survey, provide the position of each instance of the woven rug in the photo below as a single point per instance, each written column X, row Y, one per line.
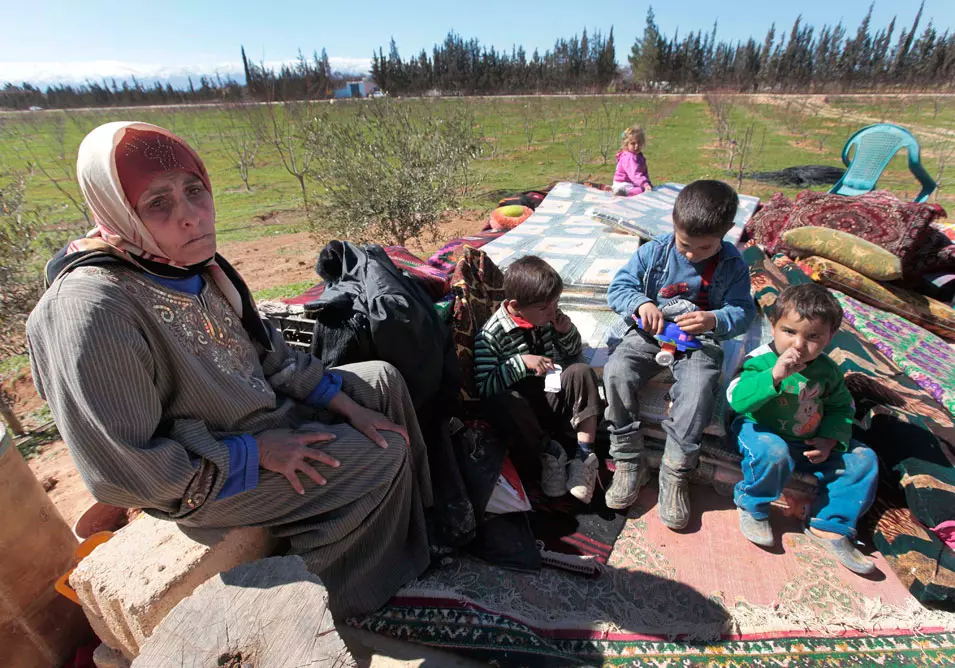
column 701, row 597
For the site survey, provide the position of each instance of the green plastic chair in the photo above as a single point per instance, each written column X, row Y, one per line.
column 875, row 146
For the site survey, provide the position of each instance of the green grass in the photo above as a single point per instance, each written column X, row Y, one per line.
column 530, row 142
column 12, row 365
column 282, row 291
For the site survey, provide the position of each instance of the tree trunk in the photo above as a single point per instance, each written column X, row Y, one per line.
column 16, row 427
column 267, row 613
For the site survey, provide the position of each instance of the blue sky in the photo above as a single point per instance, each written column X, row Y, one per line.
column 68, row 39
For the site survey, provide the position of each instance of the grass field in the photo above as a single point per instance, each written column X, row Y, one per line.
column 528, row 142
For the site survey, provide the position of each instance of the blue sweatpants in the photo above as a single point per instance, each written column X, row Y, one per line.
column 847, row 480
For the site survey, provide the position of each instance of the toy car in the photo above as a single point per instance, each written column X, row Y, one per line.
column 672, row 340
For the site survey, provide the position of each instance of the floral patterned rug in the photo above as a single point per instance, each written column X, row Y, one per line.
column 705, row 596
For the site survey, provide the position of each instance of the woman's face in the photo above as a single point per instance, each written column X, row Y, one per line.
column 179, row 212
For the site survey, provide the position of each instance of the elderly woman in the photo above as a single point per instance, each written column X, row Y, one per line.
column 173, row 395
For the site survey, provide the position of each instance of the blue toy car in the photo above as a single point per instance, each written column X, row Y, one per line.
column 672, row 340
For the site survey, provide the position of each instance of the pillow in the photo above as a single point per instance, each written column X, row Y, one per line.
column 931, row 314
column 766, row 281
column 770, row 221
column 847, row 249
column 509, row 217
column 936, row 254
column 878, row 217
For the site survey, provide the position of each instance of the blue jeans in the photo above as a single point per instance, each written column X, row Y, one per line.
column 697, row 376
column 847, row 480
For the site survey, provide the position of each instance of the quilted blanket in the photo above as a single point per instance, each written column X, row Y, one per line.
column 650, row 214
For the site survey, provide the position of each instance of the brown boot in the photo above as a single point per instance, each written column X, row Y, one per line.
column 674, row 501
column 625, row 488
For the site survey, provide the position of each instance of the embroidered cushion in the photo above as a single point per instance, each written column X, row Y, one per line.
column 770, row 221
column 766, row 281
column 931, row 314
column 878, row 217
column 847, row 249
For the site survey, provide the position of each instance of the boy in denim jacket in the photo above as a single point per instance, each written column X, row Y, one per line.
column 693, row 268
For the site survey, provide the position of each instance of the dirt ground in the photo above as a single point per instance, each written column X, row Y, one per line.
column 273, row 261
column 267, row 262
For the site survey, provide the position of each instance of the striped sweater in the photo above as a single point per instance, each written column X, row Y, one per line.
column 500, row 343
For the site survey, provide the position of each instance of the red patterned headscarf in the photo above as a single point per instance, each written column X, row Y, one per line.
column 144, row 154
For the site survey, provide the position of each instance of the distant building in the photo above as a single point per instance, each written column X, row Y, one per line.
column 363, row 88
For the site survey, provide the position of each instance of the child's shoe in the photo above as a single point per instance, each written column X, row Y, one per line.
column 583, row 477
column 673, row 503
column 625, row 488
column 754, row 529
column 554, row 472
column 843, row 550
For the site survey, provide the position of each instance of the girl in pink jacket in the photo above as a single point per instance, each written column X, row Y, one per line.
column 631, row 177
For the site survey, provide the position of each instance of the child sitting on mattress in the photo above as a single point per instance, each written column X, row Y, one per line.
column 525, row 394
column 631, row 177
column 693, row 264
column 795, row 414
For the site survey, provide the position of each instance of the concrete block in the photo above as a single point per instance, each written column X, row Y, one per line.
column 106, row 657
column 127, row 585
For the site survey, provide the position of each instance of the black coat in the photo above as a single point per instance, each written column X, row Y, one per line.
column 371, row 310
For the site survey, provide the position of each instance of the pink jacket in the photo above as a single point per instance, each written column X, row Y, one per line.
column 632, row 168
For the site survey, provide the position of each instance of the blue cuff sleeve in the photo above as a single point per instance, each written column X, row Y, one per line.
column 326, row 390
column 243, row 466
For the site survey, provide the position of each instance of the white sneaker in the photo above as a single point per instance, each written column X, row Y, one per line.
column 554, row 474
column 583, row 477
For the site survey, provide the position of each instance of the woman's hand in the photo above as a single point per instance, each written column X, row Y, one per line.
column 285, row 451
column 365, row 420
column 371, row 423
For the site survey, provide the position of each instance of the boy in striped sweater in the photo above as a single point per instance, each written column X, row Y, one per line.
column 524, row 341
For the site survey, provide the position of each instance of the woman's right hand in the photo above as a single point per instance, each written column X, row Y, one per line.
column 286, row 451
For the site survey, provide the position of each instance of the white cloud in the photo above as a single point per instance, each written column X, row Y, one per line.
column 75, row 72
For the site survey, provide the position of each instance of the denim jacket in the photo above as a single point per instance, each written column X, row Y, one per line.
column 658, row 263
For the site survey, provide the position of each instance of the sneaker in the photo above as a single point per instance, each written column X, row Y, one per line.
column 845, row 552
column 755, row 530
column 673, row 504
column 625, row 488
column 583, row 477
column 554, row 474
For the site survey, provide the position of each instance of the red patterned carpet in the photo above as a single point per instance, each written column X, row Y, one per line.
column 702, row 597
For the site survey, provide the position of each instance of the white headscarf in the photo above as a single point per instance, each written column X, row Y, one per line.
column 116, row 221
column 118, row 230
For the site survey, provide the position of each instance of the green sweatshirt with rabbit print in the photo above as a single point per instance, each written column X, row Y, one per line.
column 812, row 403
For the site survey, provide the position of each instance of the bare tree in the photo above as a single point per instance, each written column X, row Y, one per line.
column 944, row 150
column 609, row 124
column 578, row 147
column 530, row 112
column 237, row 134
column 746, row 151
column 288, row 128
column 19, row 288
column 60, row 172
